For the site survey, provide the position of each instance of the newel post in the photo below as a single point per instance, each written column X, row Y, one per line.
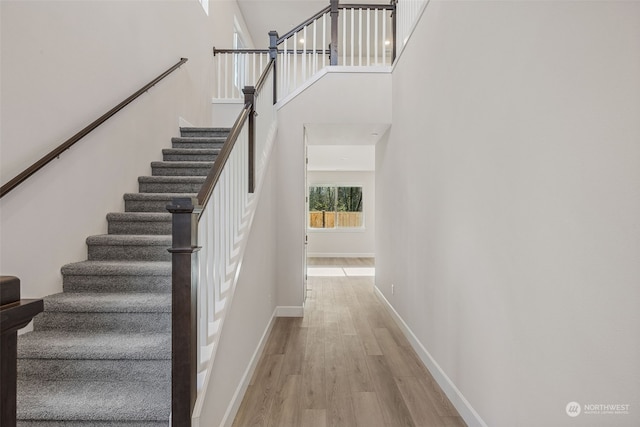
column 394, row 31
column 184, row 338
column 250, row 99
column 333, row 55
column 15, row 314
column 273, row 54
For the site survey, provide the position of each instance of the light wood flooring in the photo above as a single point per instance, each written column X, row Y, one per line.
column 346, row 363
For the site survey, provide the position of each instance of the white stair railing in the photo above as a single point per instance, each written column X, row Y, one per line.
column 210, row 233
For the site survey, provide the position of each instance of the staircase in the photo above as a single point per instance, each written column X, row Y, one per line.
column 100, row 353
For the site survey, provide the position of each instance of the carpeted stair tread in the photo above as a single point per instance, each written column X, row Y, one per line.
column 193, row 131
column 118, row 268
column 152, row 202
column 180, row 168
column 201, row 142
column 139, row 216
column 93, row 345
column 181, row 164
column 104, row 302
column 190, row 154
column 129, row 239
column 90, row 401
column 170, row 184
column 129, row 247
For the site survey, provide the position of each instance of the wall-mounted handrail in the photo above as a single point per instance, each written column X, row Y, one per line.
column 56, row 152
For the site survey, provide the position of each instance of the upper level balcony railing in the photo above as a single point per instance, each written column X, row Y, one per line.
column 349, row 35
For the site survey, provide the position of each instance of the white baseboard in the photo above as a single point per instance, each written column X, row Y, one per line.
column 236, row 400
column 464, row 408
column 339, row 255
column 289, row 311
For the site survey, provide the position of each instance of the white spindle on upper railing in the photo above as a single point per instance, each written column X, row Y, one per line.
column 408, row 13
column 237, row 69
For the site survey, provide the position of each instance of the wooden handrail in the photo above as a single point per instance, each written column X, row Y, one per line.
column 239, row 51
column 185, row 214
column 22, row 176
column 309, row 51
column 367, row 6
column 304, row 24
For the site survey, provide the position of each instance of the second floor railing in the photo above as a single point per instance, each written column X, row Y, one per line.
column 351, row 35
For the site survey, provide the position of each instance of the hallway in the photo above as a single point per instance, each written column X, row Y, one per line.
column 346, row 363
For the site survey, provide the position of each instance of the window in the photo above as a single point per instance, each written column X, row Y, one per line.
column 205, row 5
column 332, row 206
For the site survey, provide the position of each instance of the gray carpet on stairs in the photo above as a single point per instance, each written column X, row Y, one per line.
column 100, row 353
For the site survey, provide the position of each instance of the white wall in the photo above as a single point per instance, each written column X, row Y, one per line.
column 345, row 242
column 515, row 154
column 336, row 98
column 250, row 312
column 65, row 63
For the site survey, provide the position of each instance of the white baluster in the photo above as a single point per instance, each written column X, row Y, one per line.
column 344, row 36
column 384, row 38
column 368, row 36
column 324, row 39
column 295, row 62
column 304, row 54
column 360, row 36
column 315, row 47
column 376, row 40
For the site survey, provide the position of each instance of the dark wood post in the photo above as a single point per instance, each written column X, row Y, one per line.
column 250, row 99
column 394, row 14
column 184, row 300
column 273, row 54
column 15, row 314
column 333, row 53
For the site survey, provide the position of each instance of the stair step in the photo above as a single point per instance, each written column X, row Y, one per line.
column 139, row 223
column 170, row 184
column 94, row 403
column 215, row 142
column 189, row 154
column 117, row 276
column 151, row 202
column 106, row 312
column 129, row 247
column 175, row 168
column 194, row 131
column 60, row 355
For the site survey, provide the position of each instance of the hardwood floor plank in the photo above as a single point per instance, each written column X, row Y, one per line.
column 285, row 410
column 422, row 410
column 338, row 391
column 295, row 351
column 400, row 363
column 256, row 405
column 313, row 374
column 392, row 404
column 314, row 418
column 367, row 406
column 356, row 364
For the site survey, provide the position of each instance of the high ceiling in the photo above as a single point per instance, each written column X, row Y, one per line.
column 262, row 16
